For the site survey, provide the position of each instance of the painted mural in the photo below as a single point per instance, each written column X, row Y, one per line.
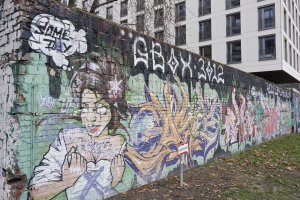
column 87, row 157
column 56, row 38
column 111, row 108
column 121, row 125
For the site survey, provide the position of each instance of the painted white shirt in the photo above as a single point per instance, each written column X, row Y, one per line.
column 95, row 182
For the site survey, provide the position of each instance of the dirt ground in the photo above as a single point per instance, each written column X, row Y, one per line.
column 268, row 171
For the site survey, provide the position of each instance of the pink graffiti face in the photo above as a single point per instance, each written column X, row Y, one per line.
column 95, row 112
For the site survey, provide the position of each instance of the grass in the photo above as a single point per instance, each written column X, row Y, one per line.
column 267, row 171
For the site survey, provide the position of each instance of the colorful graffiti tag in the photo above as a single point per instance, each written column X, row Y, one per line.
column 174, row 121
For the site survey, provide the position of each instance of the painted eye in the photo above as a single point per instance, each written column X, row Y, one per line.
column 84, row 110
column 101, row 110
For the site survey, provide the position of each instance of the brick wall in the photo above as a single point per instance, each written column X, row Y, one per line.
column 10, row 30
column 10, row 48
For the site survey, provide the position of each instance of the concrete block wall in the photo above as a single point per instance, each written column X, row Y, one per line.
column 10, row 30
column 95, row 109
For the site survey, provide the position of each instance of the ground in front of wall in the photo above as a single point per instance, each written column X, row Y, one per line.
column 268, row 171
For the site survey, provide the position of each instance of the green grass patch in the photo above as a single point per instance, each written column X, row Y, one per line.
column 268, row 171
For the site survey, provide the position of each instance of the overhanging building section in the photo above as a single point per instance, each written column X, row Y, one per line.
column 254, row 36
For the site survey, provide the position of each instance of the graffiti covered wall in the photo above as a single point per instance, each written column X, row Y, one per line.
column 102, row 109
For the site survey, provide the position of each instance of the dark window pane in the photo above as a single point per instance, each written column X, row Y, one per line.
column 205, row 30
column 140, row 5
column 109, row 13
column 204, row 7
column 234, row 53
column 140, row 23
column 124, row 22
column 266, row 17
column 158, row 2
column 233, row 25
column 232, row 3
column 285, row 50
column 267, row 48
column 285, row 22
column 124, row 8
column 159, row 35
column 180, row 35
column 205, row 51
column 159, row 18
column 180, row 12
column 290, row 53
column 290, row 29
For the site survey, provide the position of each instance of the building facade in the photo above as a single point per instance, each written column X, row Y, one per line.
column 256, row 36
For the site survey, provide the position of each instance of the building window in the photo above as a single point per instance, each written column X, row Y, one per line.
column 293, row 33
column 297, row 63
column 180, row 12
column 159, row 18
column 293, row 7
column 140, row 26
column 158, row 2
column 205, row 51
column 285, row 50
column 294, row 59
column 140, row 5
column 160, row 35
column 124, row 8
column 232, row 3
column 290, row 55
column 290, row 29
column 205, row 30
column 297, row 42
column 285, row 21
column 233, row 26
column 180, row 35
column 267, row 48
column 266, row 17
column 234, row 54
column 124, row 22
column 297, row 23
column 109, row 13
column 204, row 7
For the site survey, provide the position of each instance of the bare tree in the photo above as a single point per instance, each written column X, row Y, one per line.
column 145, row 9
column 149, row 10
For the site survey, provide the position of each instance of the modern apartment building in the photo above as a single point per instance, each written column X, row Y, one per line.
column 257, row 36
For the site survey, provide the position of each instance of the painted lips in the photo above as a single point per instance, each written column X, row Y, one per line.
column 93, row 129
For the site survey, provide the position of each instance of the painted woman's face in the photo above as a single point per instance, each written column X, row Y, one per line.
column 95, row 112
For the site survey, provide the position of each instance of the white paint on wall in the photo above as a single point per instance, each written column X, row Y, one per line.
column 57, row 38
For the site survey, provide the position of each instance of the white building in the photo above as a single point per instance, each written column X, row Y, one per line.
column 257, row 36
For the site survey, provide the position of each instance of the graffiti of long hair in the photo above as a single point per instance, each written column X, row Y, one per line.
column 103, row 74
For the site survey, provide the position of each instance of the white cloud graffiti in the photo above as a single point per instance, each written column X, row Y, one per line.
column 56, row 38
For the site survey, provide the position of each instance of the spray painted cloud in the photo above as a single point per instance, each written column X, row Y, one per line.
column 56, row 38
